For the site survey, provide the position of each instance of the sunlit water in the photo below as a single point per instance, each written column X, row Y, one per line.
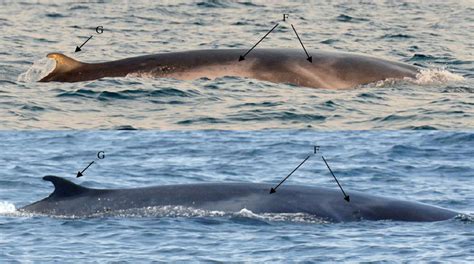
column 434, row 35
column 431, row 167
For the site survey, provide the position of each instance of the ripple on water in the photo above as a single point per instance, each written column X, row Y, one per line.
column 347, row 18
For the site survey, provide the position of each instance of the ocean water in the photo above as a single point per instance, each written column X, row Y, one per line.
column 435, row 35
column 432, row 167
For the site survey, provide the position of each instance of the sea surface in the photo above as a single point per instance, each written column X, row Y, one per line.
column 435, row 167
column 435, row 35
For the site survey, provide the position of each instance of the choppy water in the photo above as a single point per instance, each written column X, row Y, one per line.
column 433, row 167
column 436, row 35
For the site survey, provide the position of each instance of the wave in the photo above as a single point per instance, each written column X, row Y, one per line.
column 465, row 218
column 436, row 76
column 7, row 208
column 242, row 216
column 282, row 217
column 347, row 18
column 40, row 69
column 424, row 78
column 128, row 94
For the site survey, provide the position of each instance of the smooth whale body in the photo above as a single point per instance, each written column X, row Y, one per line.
column 69, row 199
column 327, row 70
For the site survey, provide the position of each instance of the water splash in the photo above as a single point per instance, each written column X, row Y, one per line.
column 182, row 211
column 37, row 71
column 436, row 76
column 466, row 218
column 7, row 208
column 188, row 212
column 424, row 78
column 282, row 217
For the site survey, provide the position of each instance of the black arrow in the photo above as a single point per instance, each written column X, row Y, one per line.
column 80, row 173
column 346, row 197
column 273, row 190
column 310, row 58
column 242, row 57
column 78, row 48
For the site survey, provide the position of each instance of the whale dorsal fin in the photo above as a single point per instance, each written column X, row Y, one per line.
column 64, row 64
column 64, row 188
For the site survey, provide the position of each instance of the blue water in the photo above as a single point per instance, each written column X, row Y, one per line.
column 432, row 167
column 435, row 35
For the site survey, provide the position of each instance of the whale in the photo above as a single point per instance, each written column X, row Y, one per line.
column 331, row 70
column 73, row 200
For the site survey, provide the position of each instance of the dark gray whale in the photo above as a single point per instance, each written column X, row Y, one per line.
column 69, row 199
column 328, row 69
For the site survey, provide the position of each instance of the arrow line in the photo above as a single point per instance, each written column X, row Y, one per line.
column 310, row 58
column 273, row 190
column 346, row 197
column 242, row 57
column 78, row 48
column 80, row 173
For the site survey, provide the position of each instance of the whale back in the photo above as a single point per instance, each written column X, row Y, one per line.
column 327, row 69
column 69, row 199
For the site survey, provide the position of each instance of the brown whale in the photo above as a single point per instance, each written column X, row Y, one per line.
column 327, row 69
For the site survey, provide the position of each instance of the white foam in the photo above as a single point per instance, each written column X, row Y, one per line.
column 424, row 78
column 38, row 70
column 465, row 218
column 282, row 217
column 183, row 211
column 7, row 208
column 249, row 214
column 436, row 76
column 160, row 211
